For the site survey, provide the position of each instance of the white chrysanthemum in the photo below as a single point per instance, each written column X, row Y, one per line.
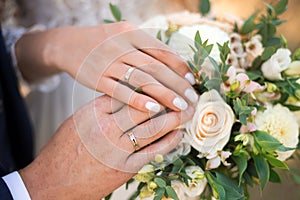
column 181, row 40
column 279, row 122
column 278, row 62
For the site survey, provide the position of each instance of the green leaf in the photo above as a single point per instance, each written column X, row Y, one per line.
column 108, row 21
column 213, row 83
column 296, row 55
column 171, row 193
column 115, row 12
column 262, row 169
column 197, row 40
column 160, row 182
column 204, row 7
column 241, row 162
column 129, row 182
column 178, row 162
column 253, row 75
column 275, row 162
column 158, row 35
column 159, row 193
column 268, row 52
column 249, row 25
column 281, row 7
column 274, row 177
column 266, row 141
column 108, row 196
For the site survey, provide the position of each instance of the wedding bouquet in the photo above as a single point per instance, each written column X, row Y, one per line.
column 245, row 124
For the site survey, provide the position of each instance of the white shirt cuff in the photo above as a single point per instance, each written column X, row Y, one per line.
column 16, row 186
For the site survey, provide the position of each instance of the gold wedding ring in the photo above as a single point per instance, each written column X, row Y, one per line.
column 136, row 146
column 128, row 73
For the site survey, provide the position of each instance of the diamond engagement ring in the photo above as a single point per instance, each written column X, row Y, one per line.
column 128, row 73
column 136, row 146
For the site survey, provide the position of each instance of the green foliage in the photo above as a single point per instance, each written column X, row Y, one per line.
column 171, row 193
column 115, row 11
column 225, row 186
column 249, row 25
column 262, row 168
column 267, row 53
column 160, row 182
column 242, row 109
column 242, row 163
column 296, row 55
column 159, row 193
column 204, row 7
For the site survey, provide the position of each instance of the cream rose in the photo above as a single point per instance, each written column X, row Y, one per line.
column 198, row 183
column 279, row 122
column 209, row 130
column 278, row 62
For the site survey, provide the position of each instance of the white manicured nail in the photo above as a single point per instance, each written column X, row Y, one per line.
column 153, row 107
column 190, row 77
column 180, row 103
column 191, row 95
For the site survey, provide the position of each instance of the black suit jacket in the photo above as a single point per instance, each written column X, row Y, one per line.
column 16, row 141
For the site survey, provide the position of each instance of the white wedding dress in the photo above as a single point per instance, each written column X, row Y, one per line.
column 57, row 98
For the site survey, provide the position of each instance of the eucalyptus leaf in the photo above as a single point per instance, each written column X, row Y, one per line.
column 159, row 193
column 204, row 7
column 160, row 182
column 267, row 53
column 115, row 12
column 249, row 25
column 171, row 193
column 281, row 7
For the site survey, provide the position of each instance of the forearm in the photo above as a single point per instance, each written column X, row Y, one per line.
column 45, row 53
column 35, row 56
column 66, row 170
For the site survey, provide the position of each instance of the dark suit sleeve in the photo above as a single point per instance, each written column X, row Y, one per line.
column 4, row 191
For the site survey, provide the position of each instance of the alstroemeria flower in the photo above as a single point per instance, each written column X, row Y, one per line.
column 215, row 162
column 245, row 84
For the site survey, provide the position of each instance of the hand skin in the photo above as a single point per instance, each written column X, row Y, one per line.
column 69, row 168
column 100, row 56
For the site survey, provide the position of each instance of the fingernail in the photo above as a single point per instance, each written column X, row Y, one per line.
column 153, row 107
column 190, row 77
column 180, row 103
column 191, row 95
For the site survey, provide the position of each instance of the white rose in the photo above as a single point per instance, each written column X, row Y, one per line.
column 184, row 38
column 293, row 69
column 197, row 185
column 278, row 62
column 178, row 187
column 279, row 122
column 209, row 130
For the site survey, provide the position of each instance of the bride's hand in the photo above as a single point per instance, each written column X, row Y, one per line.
column 99, row 148
column 113, row 59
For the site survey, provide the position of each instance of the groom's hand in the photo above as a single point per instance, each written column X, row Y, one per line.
column 99, row 148
column 114, row 59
